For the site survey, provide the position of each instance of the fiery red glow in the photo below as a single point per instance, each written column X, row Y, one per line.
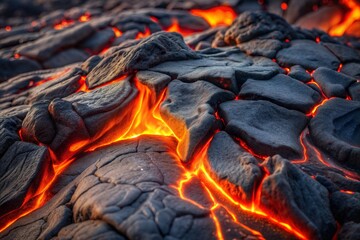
column 352, row 16
column 8, row 28
column 216, row 16
column 284, row 6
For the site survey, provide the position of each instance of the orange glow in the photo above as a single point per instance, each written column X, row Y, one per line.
column 175, row 27
column 63, row 24
column 284, row 6
column 216, row 16
column 352, row 16
column 313, row 111
column 317, row 85
column 145, row 34
column 117, row 32
column 8, row 28
column 305, row 157
column 248, row 149
column 16, row 56
column 198, row 169
column 317, row 39
column 347, row 192
column 340, row 67
column 85, row 17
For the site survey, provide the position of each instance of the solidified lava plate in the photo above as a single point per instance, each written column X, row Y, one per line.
column 180, row 119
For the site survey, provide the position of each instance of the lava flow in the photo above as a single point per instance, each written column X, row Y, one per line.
column 352, row 16
column 216, row 16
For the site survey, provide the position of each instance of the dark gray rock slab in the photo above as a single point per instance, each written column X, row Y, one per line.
column 306, row 201
column 283, row 91
column 265, row 127
column 45, row 47
column 354, row 91
column 351, row 69
column 233, row 168
column 65, row 57
column 97, row 42
column 9, row 128
column 343, row 52
column 159, row 47
column 38, row 125
column 11, row 68
column 349, row 231
column 22, row 166
column 301, row 52
column 299, row 73
column 335, row 129
column 250, row 25
column 261, row 47
column 91, row 229
column 333, row 83
column 189, row 110
column 346, row 207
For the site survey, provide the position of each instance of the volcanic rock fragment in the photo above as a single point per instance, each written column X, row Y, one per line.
column 157, row 82
column 45, row 47
column 266, row 128
column 236, row 171
column 336, row 129
column 334, row 84
column 9, row 128
column 346, row 207
column 159, row 47
column 299, row 73
column 189, row 109
column 66, row 57
column 250, row 25
column 11, row 68
column 301, row 52
column 291, row 195
column 281, row 90
column 344, row 53
column 349, row 231
column 21, row 167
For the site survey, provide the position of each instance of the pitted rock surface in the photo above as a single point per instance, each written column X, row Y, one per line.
column 234, row 98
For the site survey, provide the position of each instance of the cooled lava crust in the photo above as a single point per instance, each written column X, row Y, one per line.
column 179, row 120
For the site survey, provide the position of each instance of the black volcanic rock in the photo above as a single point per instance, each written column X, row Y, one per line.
column 45, row 47
column 158, row 48
column 346, row 207
column 189, row 111
column 236, row 170
column 301, row 52
column 66, row 57
column 299, row 73
column 22, row 166
column 9, row 128
column 335, row 129
column 305, row 200
column 11, row 68
column 334, row 84
column 265, row 127
column 33, row 129
column 349, row 231
column 282, row 90
column 250, row 25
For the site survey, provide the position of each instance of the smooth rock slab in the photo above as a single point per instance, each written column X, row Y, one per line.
column 333, row 83
column 266, row 128
column 234, row 169
column 9, row 128
column 295, row 197
column 43, row 48
column 283, row 91
column 159, row 47
column 21, row 167
column 302, row 52
column 189, row 110
column 336, row 129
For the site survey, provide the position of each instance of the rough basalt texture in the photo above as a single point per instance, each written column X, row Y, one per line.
column 264, row 119
column 336, row 130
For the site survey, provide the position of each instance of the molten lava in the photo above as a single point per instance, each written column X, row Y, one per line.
column 216, row 16
column 352, row 16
